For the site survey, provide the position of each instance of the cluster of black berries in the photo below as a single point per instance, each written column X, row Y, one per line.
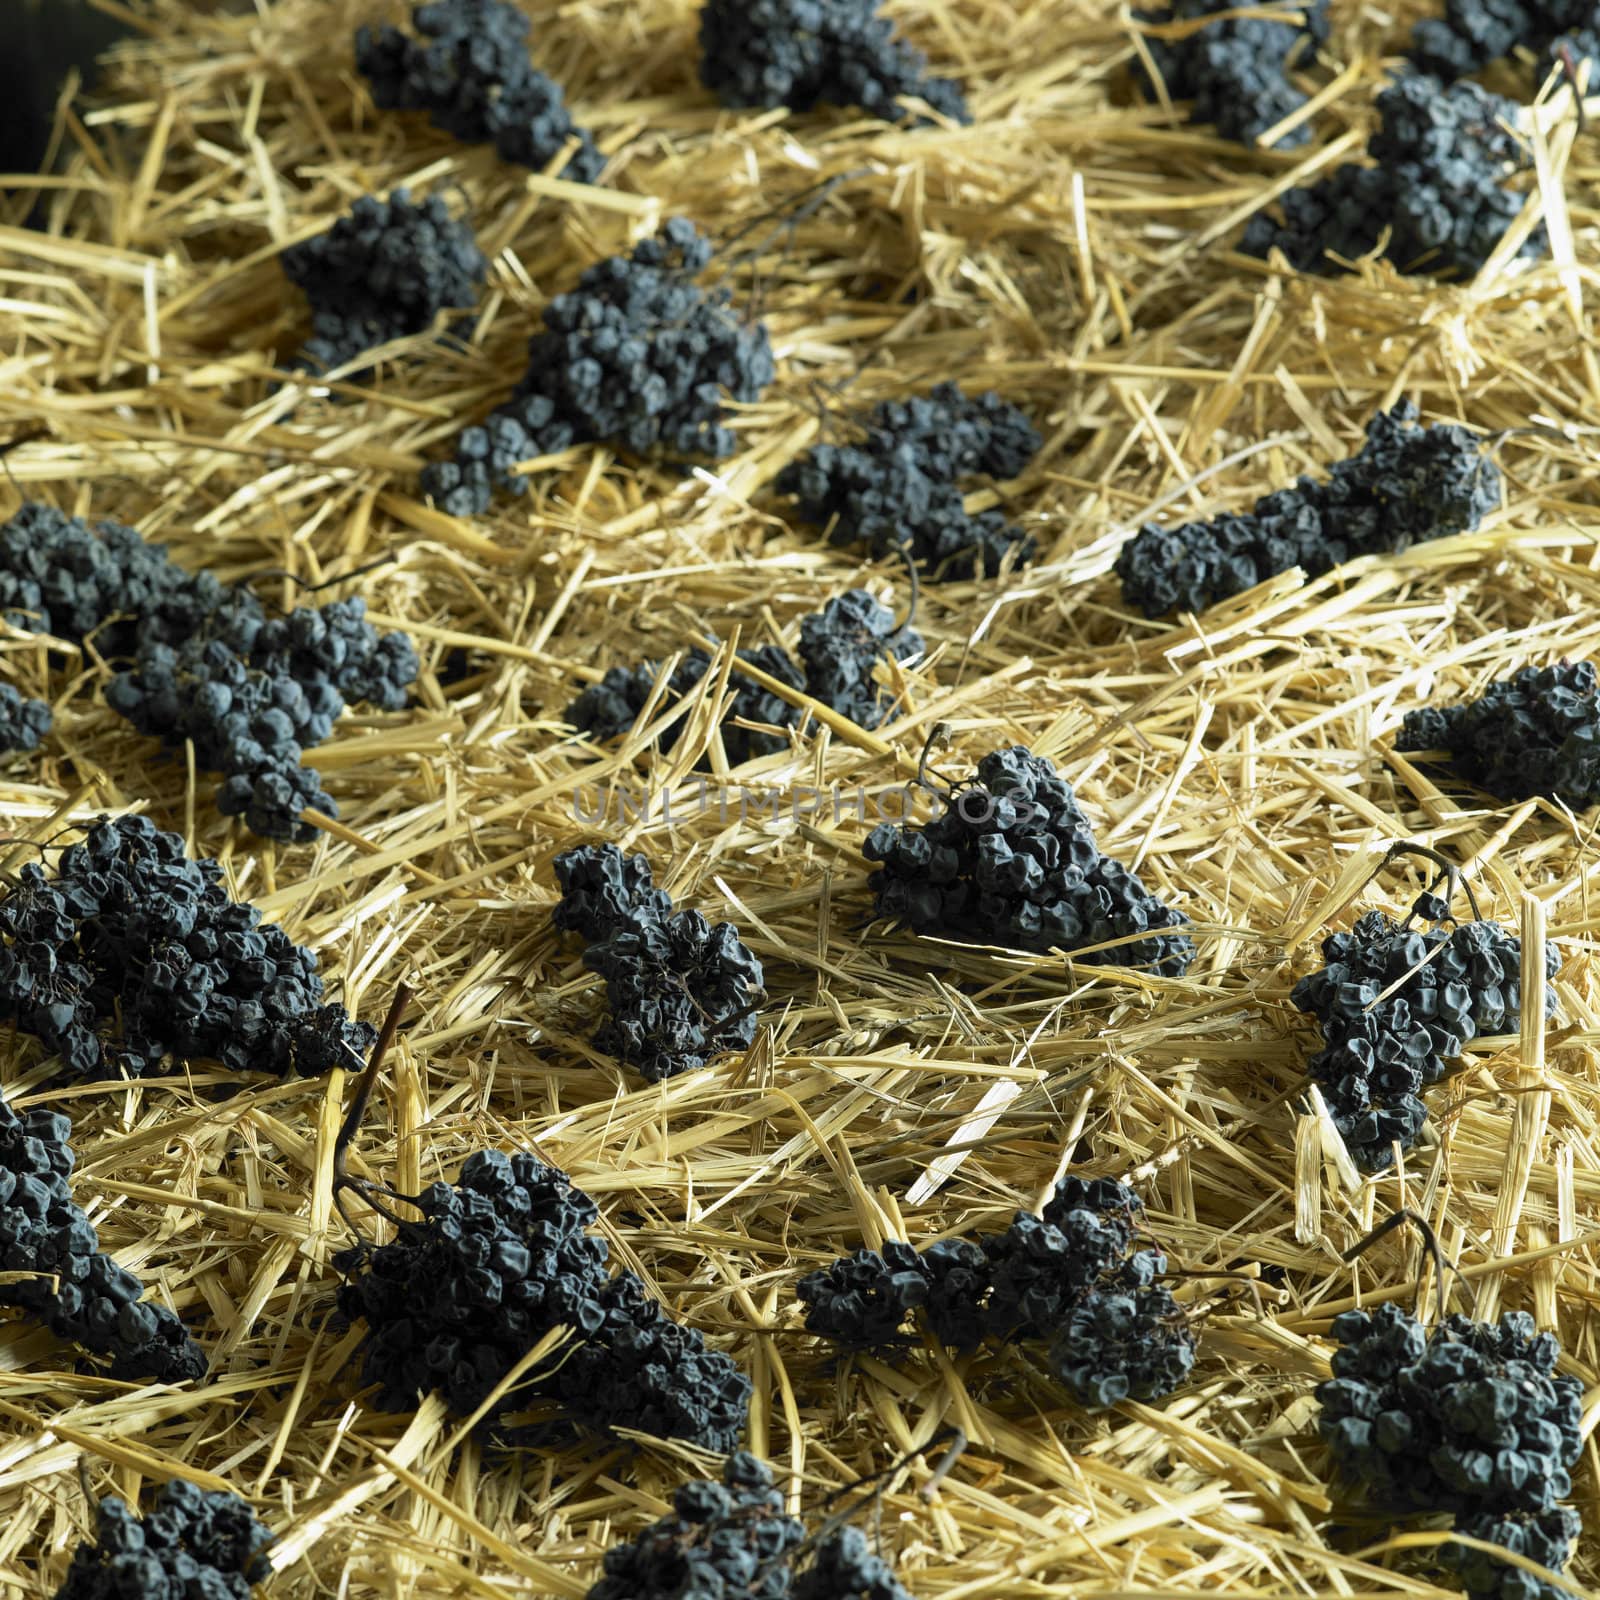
column 638, row 356
column 1536, row 732
column 734, row 1539
column 1011, row 860
column 805, row 53
column 55, row 1270
column 1070, row 1277
column 474, row 79
column 1472, row 33
column 1469, row 1418
column 1236, row 69
column 679, row 991
column 840, row 646
column 132, row 953
column 1395, row 1003
column 383, row 271
column 506, row 1257
column 1435, row 198
column 251, row 692
column 899, row 489
column 194, row 1545
column 1406, row 484
column 23, row 722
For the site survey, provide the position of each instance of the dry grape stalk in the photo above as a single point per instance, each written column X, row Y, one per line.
column 1534, row 733
column 1069, row 1276
column 1396, row 1003
column 1406, row 484
column 470, row 72
column 250, row 691
column 679, row 990
column 508, row 1259
column 131, row 955
column 638, row 356
column 1011, row 860
column 1235, row 70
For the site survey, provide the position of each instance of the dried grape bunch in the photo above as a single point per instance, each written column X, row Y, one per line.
column 473, row 77
column 23, row 722
column 864, row 1301
column 1407, row 484
column 1012, row 861
column 1394, row 1004
column 63, row 1277
column 842, row 645
column 638, row 356
column 1534, row 733
column 1236, row 69
column 731, row 1538
column 1472, row 33
column 1120, row 1343
column 507, row 1257
column 805, row 53
column 195, row 1545
column 898, row 490
column 679, row 991
column 383, row 271
column 1442, row 155
column 1547, row 1537
column 846, row 1567
column 131, row 953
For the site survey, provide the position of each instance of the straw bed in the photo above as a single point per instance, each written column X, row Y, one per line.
column 1072, row 249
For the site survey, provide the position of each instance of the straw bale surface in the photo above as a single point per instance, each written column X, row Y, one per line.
column 1073, row 249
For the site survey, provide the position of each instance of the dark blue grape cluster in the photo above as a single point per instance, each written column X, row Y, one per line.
column 1472, row 33
column 1069, row 1276
column 471, row 73
column 23, row 722
column 195, row 1545
column 506, row 1257
column 840, row 647
column 250, row 691
column 62, row 1277
column 899, row 490
column 1382, row 1048
column 806, row 53
column 638, row 356
column 385, row 270
column 679, row 991
column 1534, row 733
column 1236, row 69
column 1442, row 155
column 1406, row 484
column 1470, row 1418
column 131, row 954
column 1011, row 860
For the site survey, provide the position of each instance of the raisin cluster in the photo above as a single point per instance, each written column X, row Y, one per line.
column 1469, row 1418
column 194, row 1545
column 1236, row 69
column 56, row 1271
column 506, row 1256
column 131, row 954
column 1406, row 484
column 840, row 647
column 1070, row 1277
column 249, row 691
column 23, row 722
column 385, row 270
column 679, row 991
column 1536, row 732
column 469, row 70
column 806, row 53
column 1435, row 198
column 638, row 356
column 899, row 490
column 734, row 1538
column 1472, row 33
column 1382, row 1048
column 1011, row 860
